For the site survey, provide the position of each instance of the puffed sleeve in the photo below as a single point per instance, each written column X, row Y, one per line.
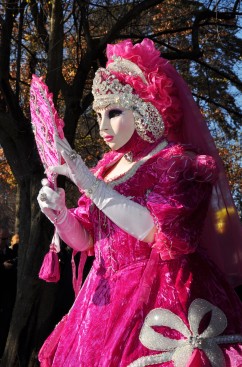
column 179, row 200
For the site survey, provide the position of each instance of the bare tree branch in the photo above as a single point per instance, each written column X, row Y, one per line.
column 205, row 15
column 84, row 23
column 19, row 54
column 94, row 53
column 220, row 105
column 126, row 19
column 230, row 76
column 55, row 51
column 39, row 24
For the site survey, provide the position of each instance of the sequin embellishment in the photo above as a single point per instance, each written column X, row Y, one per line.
column 180, row 351
column 108, row 91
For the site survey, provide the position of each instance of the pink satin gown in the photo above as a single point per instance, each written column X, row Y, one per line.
column 163, row 304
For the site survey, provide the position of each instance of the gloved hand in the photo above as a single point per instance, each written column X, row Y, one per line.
column 52, row 204
column 74, row 168
column 128, row 215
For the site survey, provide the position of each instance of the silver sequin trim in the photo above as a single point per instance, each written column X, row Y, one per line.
column 181, row 350
column 135, row 167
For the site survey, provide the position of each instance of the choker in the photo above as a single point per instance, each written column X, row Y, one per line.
column 136, row 148
column 129, row 157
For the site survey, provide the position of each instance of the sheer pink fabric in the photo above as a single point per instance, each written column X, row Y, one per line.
column 222, row 226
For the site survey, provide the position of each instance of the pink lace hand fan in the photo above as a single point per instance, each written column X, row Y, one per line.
column 46, row 123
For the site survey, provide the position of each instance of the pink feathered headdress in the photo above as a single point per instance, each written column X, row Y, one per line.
column 140, row 67
column 160, row 89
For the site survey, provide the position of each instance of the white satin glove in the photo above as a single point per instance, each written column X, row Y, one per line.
column 75, row 169
column 52, row 204
column 128, row 215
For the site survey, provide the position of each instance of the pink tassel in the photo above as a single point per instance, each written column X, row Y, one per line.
column 50, row 269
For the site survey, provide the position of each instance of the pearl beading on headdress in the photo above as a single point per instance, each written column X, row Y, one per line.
column 107, row 90
column 125, row 66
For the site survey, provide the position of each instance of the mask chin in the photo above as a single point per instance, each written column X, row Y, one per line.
column 135, row 145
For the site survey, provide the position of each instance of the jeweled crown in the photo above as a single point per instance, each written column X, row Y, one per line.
column 108, row 90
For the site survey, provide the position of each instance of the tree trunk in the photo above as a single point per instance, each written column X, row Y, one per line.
column 36, row 310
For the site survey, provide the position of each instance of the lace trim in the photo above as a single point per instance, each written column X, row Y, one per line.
column 127, row 175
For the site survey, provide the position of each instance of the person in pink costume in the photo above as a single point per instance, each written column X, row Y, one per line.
column 158, row 213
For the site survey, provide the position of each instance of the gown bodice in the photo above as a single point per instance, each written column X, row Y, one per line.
column 174, row 185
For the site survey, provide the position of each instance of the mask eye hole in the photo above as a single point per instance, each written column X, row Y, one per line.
column 114, row 113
